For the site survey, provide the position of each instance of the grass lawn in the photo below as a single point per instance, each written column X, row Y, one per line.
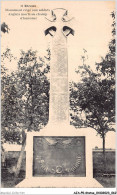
column 107, row 182
column 8, row 180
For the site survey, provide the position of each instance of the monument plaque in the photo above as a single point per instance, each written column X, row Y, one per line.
column 59, row 156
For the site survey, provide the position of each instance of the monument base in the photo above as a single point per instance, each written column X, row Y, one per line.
column 64, row 170
column 54, row 182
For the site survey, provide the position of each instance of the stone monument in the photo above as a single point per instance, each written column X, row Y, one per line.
column 59, row 155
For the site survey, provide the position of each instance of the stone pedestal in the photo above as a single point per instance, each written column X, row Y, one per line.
column 75, row 172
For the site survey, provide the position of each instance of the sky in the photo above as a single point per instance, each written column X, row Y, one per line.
column 92, row 25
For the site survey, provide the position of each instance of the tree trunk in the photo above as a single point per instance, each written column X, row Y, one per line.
column 104, row 145
column 19, row 162
column 104, row 154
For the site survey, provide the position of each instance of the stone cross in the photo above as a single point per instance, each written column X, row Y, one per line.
column 59, row 90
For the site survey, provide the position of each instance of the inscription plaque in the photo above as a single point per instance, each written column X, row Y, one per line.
column 59, row 156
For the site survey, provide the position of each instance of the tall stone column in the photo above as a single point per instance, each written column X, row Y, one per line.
column 59, row 91
column 59, row 96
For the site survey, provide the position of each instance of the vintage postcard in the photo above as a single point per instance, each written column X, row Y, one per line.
column 58, row 97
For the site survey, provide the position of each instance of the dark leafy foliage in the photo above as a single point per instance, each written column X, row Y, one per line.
column 95, row 94
column 4, row 27
column 25, row 95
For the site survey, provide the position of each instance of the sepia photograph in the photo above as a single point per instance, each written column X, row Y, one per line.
column 58, row 95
